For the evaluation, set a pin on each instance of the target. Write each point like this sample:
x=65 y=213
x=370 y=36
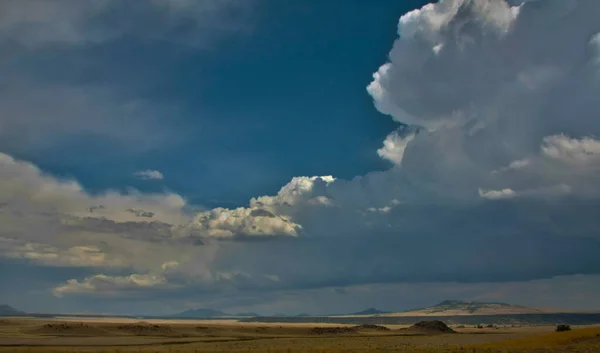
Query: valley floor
x=20 y=335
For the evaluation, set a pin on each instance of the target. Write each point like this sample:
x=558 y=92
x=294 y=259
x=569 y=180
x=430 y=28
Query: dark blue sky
x=244 y=107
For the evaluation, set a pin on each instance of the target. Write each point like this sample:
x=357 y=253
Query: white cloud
x=497 y=194
x=584 y=151
x=54 y=222
x=394 y=146
x=298 y=190
x=102 y=284
x=226 y=223
x=75 y=256
x=25 y=188
x=149 y=175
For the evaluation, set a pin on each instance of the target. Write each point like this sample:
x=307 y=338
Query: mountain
x=370 y=311
x=458 y=308
x=7 y=310
x=201 y=313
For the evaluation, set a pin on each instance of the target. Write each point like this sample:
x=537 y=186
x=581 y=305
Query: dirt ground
x=185 y=336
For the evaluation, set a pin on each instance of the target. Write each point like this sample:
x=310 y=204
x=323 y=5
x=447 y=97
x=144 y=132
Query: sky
x=298 y=156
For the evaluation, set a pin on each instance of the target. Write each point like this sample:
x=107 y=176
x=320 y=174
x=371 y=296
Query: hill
x=370 y=311
x=458 y=307
x=7 y=310
x=201 y=314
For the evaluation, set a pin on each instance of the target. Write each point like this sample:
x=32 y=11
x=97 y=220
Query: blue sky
x=305 y=156
x=267 y=84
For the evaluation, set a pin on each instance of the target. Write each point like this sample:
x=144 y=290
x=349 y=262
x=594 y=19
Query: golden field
x=20 y=335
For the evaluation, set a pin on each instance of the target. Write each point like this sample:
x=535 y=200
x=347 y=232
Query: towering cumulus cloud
x=494 y=177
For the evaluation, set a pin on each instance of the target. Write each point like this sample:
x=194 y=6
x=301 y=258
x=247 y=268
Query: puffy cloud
x=583 y=152
x=416 y=87
x=76 y=256
x=52 y=222
x=394 y=146
x=149 y=175
x=298 y=190
x=103 y=284
x=493 y=81
x=26 y=188
x=226 y=223
x=497 y=194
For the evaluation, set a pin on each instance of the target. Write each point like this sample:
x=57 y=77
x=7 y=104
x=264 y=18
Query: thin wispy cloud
x=149 y=175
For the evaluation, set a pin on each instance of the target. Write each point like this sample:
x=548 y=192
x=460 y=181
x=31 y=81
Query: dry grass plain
x=18 y=335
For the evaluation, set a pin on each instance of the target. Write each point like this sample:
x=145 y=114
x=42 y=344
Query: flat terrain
x=183 y=336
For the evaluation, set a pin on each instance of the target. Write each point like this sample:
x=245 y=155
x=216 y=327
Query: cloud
x=76 y=256
x=52 y=222
x=394 y=147
x=571 y=151
x=149 y=175
x=226 y=223
x=497 y=194
x=108 y=285
x=41 y=23
x=27 y=189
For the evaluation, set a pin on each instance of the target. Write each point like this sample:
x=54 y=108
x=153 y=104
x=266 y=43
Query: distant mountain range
x=458 y=307
x=370 y=311
x=210 y=313
x=7 y=310
x=445 y=308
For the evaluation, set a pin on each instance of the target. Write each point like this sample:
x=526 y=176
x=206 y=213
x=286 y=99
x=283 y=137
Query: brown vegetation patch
x=430 y=327
x=69 y=329
x=332 y=330
x=144 y=328
x=372 y=327
x=346 y=329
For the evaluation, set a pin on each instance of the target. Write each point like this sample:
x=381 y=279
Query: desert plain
x=108 y=335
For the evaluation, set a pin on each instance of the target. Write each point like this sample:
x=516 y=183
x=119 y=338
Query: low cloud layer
x=493 y=179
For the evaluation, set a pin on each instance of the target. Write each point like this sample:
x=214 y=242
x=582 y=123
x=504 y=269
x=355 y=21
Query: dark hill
x=370 y=311
x=7 y=310
x=433 y=326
